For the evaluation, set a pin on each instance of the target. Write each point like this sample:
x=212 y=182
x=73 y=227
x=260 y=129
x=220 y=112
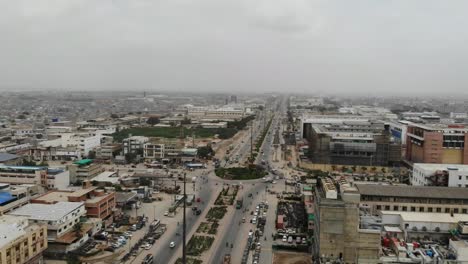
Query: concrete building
x=21 y=241
x=398 y=131
x=413 y=198
x=23 y=174
x=107 y=152
x=351 y=142
x=13 y=197
x=429 y=174
x=339 y=230
x=163 y=149
x=134 y=144
x=437 y=143
x=59 y=217
x=98 y=203
x=84 y=170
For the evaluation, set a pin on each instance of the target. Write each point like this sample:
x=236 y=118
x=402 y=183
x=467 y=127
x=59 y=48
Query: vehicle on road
x=285 y=239
x=166 y=213
x=148 y=246
x=290 y=239
x=172 y=244
x=148 y=259
x=239 y=203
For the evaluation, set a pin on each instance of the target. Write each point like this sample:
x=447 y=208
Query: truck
x=239 y=203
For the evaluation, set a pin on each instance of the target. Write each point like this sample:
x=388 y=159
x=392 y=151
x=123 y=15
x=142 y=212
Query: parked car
x=304 y=240
x=166 y=213
x=148 y=246
x=298 y=240
x=172 y=244
x=285 y=238
x=290 y=239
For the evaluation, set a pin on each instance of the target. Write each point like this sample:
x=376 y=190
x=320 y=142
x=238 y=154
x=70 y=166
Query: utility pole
x=184 y=259
x=251 y=141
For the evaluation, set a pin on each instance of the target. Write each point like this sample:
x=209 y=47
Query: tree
x=118 y=188
x=26 y=162
x=114 y=116
x=424 y=228
x=333 y=167
x=44 y=164
x=153 y=120
x=130 y=157
x=384 y=170
x=205 y=152
x=21 y=116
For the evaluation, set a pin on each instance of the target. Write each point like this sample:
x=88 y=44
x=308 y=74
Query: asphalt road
x=163 y=254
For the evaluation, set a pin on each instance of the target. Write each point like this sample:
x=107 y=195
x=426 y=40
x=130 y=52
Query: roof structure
x=413 y=191
x=47 y=212
x=7 y=156
x=5 y=197
x=83 y=162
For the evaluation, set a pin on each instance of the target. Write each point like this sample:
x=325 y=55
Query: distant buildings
x=134 y=144
x=163 y=149
x=441 y=144
x=21 y=241
x=9 y=159
x=84 y=170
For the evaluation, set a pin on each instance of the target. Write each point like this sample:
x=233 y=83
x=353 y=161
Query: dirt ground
x=281 y=257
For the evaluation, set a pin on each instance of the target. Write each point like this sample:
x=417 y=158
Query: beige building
x=21 y=242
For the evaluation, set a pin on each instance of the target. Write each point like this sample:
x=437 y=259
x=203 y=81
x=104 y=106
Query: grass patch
x=241 y=173
x=227 y=195
x=199 y=244
x=214 y=228
x=189 y=261
x=216 y=213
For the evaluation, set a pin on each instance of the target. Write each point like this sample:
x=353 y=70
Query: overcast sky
x=377 y=46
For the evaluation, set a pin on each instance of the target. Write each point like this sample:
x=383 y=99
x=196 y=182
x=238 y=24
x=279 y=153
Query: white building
x=134 y=143
x=398 y=130
x=429 y=174
x=59 y=217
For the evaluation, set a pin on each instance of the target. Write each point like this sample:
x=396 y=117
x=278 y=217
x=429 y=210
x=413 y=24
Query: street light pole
x=184 y=260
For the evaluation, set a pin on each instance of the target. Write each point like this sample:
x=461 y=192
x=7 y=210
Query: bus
x=148 y=259
x=155 y=224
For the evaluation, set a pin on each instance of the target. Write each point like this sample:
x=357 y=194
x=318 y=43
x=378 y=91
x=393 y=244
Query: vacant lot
x=291 y=258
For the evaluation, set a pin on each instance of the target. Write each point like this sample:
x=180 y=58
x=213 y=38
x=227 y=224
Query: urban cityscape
x=233 y=132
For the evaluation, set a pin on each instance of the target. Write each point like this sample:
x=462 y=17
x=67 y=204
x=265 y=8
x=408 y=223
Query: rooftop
x=5 y=197
x=7 y=156
x=107 y=176
x=47 y=212
x=11 y=227
x=413 y=191
x=428 y=217
x=83 y=162
x=33 y=168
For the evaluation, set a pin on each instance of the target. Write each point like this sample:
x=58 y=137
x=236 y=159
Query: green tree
x=152 y=120
x=26 y=162
x=186 y=121
x=21 y=116
x=77 y=228
x=114 y=116
x=205 y=152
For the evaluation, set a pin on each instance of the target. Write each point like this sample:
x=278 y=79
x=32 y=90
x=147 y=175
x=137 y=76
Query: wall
x=452 y=156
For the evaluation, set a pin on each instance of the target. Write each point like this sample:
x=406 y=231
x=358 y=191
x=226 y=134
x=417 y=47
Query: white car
x=285 y=239
x=172 y=244
x=148 y=246
x=166 y=213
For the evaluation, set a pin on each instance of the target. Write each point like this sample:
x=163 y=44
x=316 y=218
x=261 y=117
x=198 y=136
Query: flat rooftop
x=430 y=192
x=32 y=168
x=428 y=217
x=47 y=212
x=12 y=227
x=435 y=166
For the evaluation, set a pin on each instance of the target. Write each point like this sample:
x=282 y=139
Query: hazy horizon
x=297 y=46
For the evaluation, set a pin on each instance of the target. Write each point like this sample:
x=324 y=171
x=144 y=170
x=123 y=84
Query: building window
x=464 y=211
x=421 y=209
x=404 y=208
x=438 y=209
x=413 y=209
x=395 y=208
x=447 y=210
x=387 y=207
x=379 y=207
x=429 y=209
x=455 y=211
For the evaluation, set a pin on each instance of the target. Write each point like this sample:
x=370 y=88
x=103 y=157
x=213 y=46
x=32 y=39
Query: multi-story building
x=437 y=143
x=107 y=152
x=351 y=142
x=339 y=229
x=13 y=197
x=134 y=144
x=59 y=217
x=161 y=148
x=83 y=170
x=9 y=159
x=22 y=174
x=49 y=178
x=98 y=203
x=430 y=174
x=413 y=198
x=21 y=241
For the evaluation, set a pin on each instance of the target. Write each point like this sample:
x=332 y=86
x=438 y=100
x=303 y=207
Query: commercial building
x=47 y=177
x=84 y=170
x=21 y=241
x=160 y=149
x=107 y=152
x=350 y=142
x=59 y=217
x=436 y=143
x=13 y=197
x=429 y=174
x=134 y=144
x=413 y=198
x=98 y=203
